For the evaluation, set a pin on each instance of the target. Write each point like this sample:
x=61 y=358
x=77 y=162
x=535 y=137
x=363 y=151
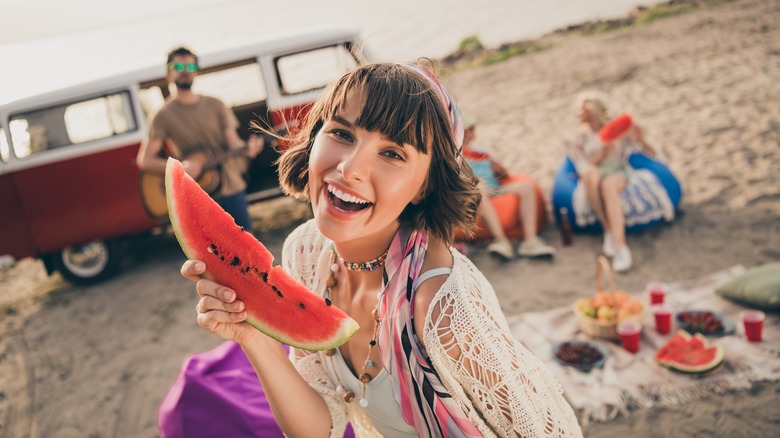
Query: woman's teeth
x=345 y=201
x=345 y=196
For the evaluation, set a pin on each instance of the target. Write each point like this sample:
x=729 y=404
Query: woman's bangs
x=386 y=109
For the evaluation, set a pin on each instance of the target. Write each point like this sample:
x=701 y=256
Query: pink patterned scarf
x=425 y=402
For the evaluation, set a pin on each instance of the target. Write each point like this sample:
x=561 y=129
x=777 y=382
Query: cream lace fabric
x=501 y=386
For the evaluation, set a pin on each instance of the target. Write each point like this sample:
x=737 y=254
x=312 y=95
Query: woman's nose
x=356 y=163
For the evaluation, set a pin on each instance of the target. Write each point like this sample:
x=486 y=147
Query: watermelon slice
x=276 y=304
x=689 y=354
x=615 y=128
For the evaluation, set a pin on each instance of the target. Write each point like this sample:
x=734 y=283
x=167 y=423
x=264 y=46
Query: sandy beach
x=96 y=361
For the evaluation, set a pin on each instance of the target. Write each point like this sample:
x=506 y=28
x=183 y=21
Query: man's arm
x=254 y=145
x=148 y=157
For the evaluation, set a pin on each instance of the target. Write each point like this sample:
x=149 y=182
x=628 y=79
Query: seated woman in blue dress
x=610 y=191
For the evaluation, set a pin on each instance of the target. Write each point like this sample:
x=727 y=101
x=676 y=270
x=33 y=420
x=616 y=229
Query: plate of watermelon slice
x=705 y=322
x=690 y=354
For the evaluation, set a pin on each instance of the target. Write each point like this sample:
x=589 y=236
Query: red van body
x=69 y=185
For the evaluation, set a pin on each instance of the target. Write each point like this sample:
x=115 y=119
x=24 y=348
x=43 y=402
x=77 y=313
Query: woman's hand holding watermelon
x=218 y=310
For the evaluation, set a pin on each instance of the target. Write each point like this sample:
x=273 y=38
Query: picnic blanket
x=628 y=381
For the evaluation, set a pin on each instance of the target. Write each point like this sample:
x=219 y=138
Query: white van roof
x=246 y=48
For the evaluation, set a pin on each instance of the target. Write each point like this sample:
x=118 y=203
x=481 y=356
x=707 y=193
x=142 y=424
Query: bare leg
x=527 y=206
x=533 y=245
x=611 y=188
x=488 y=213
x=591 y=178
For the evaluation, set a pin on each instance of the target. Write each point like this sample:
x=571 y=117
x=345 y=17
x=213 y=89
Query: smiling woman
x=379 y=159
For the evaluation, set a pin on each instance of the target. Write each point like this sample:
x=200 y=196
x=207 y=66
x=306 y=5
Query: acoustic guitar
x=151 y=185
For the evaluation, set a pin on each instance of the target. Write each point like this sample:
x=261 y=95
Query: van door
x=15 y=238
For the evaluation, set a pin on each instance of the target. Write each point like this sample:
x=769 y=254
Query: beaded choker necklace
x=331 y=283
x=369 y=265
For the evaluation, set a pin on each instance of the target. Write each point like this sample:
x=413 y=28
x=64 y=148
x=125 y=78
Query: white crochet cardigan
x=506 y=390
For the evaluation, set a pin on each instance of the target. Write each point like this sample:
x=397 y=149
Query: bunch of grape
x=578 y=353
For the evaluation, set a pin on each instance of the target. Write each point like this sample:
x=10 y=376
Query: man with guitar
x=201 y=131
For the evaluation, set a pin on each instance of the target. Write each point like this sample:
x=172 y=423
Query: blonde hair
x=594 y=103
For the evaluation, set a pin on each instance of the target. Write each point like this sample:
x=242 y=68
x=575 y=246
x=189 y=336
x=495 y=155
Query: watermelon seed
x=278 y=292
x=302 y=306
x=328 y=302
x=222 y=258
x=211 y=251
x=265 y=276
x=235 y=261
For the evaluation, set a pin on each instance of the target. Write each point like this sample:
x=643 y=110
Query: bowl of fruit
x=599 y=315
x=580 y=354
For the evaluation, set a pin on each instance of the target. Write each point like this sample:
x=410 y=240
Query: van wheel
x=90 y=262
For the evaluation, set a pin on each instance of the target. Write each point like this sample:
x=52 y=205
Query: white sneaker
x=502 y=248
x=609 y=245
x=622 y=261
x=535 y=247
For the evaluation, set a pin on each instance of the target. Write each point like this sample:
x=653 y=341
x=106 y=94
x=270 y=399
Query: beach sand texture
x=96 y=361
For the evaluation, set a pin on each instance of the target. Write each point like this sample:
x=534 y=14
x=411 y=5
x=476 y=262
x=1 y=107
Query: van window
x=5 y=151
x=313 y=69
x=234 y=86
x=71 y=123
x=152 y=100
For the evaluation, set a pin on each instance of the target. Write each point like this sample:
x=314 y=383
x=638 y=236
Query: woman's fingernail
x=229 y=295
x=199 y=266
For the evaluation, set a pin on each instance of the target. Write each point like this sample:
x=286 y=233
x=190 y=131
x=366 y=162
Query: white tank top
x=382 y=409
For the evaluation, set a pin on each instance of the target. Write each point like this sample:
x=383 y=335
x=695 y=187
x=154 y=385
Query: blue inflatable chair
x=651 y=197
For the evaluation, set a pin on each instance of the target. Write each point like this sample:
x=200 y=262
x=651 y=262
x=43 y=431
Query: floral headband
x=456 y=117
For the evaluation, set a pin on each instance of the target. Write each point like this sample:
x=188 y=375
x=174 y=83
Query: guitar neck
x=213 y=164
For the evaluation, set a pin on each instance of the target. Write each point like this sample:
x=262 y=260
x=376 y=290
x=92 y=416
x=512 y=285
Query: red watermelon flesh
x=615 y=128
x=689 y=354
x=276 y=304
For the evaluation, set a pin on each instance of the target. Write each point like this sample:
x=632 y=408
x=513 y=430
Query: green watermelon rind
x=688 y=369
x=345 y=331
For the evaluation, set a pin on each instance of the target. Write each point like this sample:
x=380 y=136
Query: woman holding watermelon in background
x=604 y=171
x=379 y=158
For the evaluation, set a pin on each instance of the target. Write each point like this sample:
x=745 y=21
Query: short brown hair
x=401 y=105
x=181 y=51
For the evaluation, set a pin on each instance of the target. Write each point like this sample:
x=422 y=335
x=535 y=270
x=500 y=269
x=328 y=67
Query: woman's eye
x=393 y=155
x=341 y=134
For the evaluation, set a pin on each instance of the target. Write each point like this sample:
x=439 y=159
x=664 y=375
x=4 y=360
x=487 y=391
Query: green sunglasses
x=180 y=67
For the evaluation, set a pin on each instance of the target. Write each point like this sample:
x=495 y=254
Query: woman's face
x=582 y=114
x=360 y=181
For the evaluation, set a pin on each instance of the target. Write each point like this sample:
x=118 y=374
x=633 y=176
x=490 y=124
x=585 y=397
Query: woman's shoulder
x=304 y=239
x=465 y=283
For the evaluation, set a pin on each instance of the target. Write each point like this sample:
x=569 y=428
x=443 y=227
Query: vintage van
x=70 y=191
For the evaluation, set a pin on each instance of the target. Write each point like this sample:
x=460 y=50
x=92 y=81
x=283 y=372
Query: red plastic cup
x=657 y=293
x=629 y=335
x=754 y=324
x=663 y=319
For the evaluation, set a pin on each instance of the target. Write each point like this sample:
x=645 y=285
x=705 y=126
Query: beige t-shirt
x=201 y=125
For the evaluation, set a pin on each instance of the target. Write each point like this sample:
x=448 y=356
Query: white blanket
x=630 y=381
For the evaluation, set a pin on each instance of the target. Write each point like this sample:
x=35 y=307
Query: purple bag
x=217 y=394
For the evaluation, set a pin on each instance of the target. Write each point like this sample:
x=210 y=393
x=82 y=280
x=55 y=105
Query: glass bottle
x=565 y=227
